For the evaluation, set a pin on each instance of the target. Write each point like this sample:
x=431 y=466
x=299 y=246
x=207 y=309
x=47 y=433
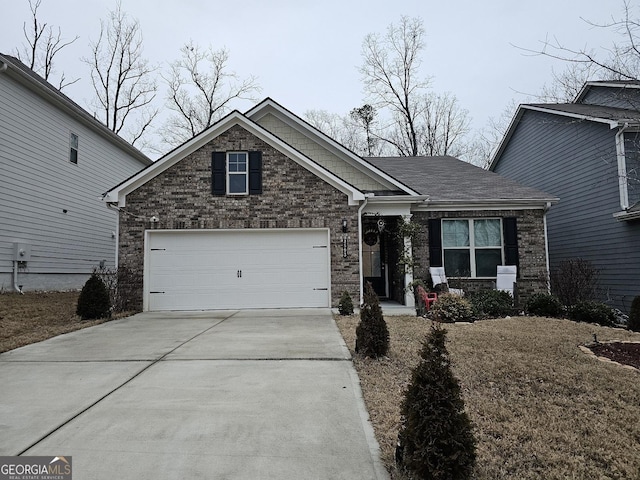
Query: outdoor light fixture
x=344 y=225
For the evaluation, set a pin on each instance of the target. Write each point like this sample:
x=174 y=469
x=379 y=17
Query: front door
x=373 y=261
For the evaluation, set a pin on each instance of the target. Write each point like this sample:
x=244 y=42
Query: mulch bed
x=622 y=352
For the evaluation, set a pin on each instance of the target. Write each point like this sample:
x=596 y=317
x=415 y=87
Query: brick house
x=262 y=210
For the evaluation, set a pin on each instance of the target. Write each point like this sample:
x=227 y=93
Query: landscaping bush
x=372 y=335
x=574 y=280
x=633 y=323
x=451 y=308
x=345 y=306
x=94 y=301
x=491 y=303
x=592 y=312
x=436 y=438
x=544 y=305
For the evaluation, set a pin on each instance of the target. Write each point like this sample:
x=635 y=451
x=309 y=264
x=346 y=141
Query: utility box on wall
x=21 y=252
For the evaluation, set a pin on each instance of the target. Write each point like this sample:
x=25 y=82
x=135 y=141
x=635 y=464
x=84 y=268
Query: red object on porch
x=427 y=298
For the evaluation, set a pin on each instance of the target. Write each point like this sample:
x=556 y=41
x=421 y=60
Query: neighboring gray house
x=262 y=210
x=56 y=161
x=587 y=154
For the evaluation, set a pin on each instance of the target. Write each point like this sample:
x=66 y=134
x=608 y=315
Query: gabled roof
x=447 y=180
x=614 y=117
x=28 y=78
x=605 y=83
x=270 y=106
x=118 y=194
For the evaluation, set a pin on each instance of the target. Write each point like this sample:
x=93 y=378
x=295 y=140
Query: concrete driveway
x=260 y=394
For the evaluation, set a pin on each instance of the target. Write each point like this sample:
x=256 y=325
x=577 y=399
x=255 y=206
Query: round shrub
x=451 y=308
x=372 y=335
x=491 y=303
x=94 y=301
x=436 y=439
x=633 y=323
x=544 y=305
x=592 y=312
x=345 y=307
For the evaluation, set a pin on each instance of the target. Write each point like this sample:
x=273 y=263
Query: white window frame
x=472 y=247
x=74 y=146
x=245 y=173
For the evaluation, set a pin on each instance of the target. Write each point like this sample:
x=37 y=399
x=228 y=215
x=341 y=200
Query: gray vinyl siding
x=613 y=97
x=38 y=182
x=576 y=161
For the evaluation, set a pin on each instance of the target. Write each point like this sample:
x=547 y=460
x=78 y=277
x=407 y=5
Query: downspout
x=110 y=206
x=622 y=167
x=360 y=210
x=546 y=244
x=16 y=287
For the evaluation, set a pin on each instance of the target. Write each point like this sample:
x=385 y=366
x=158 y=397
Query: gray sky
x=306 y=54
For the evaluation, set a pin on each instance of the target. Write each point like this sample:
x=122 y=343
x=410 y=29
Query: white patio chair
x=506 y=278
x=438 y=277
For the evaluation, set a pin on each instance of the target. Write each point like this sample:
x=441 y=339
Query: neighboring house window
x=472 y=247
x=73 y=148
x=236 y=173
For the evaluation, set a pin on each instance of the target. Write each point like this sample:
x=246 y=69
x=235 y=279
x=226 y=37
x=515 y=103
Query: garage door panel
x=199 y=270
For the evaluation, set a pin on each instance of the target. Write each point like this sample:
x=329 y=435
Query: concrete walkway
x=262 y=394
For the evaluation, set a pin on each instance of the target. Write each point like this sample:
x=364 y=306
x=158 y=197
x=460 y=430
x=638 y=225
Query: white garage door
x=235 y=269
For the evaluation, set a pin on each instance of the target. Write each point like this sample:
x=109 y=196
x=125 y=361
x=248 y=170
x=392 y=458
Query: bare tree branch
x=121 y=77
x=43 y=45
x=200 y=91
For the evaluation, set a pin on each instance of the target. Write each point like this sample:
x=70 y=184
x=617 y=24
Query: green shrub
x=633 y=323
x=491 y=303
x=372 y=335
x=436 y=437
x=345 y=307
x=94 y=301
x=451 y=308
x=544 y=305
x=592 y=312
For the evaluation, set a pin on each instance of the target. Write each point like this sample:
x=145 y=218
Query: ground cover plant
x=541 y=408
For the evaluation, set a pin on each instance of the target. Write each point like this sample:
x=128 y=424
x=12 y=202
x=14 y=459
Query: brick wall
x=292 y=197
x=532 y=275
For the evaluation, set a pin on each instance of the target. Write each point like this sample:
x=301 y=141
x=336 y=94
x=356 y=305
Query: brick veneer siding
x=532 y=275
x=292 y=197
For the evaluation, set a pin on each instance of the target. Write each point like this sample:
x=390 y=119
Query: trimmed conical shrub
x=633 y=323
x=372 y=335
x=345 y=306
x=94 y=300
x=436 y=438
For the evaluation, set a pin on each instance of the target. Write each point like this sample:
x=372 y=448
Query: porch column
x=409 y=299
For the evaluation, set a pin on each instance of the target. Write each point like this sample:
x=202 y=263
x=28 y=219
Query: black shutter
x=435 y=243
x=219 y=173
x=255 y=173
x=510 y=232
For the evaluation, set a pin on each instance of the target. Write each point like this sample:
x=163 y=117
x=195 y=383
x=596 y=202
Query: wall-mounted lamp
x=344 y=225
x=154 y=219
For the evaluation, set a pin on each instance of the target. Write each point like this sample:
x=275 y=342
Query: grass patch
x=36 y=316
x=541 y=408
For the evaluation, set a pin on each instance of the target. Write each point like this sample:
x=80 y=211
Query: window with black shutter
x=236 y=173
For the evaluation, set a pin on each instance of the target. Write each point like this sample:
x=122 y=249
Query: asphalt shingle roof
x=446 y=178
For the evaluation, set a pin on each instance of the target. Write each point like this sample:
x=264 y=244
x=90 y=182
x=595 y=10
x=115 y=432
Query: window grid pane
x=487 y=233
x=455 y=233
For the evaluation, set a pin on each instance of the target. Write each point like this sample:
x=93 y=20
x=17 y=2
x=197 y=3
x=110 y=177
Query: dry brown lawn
x=542 y=409
x=36 y=316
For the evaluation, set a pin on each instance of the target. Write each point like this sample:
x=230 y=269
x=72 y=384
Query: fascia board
x=274 y=108
x=489 y=204
x=119 y=193
x=611 y=123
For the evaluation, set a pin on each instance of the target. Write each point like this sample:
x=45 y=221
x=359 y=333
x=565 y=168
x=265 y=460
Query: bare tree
x=121 y=77
x=390 y=72
x=200 y=91
x=342 y=129
x=444 y=125
x=43 y=44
